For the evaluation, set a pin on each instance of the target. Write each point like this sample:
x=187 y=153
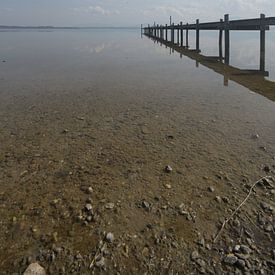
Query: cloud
x=97 y=10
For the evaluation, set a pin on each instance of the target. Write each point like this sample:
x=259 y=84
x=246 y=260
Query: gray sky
x=125 y=12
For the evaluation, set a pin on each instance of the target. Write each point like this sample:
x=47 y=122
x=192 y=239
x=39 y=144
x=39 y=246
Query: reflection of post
x=226 y=38
x=262 y=44
x=220 y=41
x=225 y=80
x=166 y=33
x=187 y=37
x=197 y=63
x=181 y=35
x=197 y=36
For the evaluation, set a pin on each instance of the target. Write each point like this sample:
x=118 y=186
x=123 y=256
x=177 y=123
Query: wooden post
x=226 y=38
x=173 y=34
x=187 y=36
x=262 y=43
x=166 y=33
x=220 y=40
x=197 y=36
x=181 y=34
x=178 y=35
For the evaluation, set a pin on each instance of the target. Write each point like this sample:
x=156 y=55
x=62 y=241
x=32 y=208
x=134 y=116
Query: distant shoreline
x=59 y=28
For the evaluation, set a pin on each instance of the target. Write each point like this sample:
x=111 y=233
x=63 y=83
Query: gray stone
x=211 y=189
x=195 y=255
x=230 y=259
x=110 y=237
x=240 y=264
x=168 y=169
x=110 y=205
x=100 y=263
x=88 y=207
x=245 y=249
x=35 y=269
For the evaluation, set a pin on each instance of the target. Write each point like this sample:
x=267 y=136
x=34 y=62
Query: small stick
x=236 y=210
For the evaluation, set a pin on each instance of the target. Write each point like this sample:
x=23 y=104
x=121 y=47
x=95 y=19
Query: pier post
x=181 y=34
x=173 y=34
x=197 y=36
x=166 y=33
x=178 y=35
x=187 y=36
x=220 y=40
x=262 y=43
x=226 y=38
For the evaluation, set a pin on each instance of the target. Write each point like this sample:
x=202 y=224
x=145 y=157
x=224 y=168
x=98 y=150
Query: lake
x=93 y=118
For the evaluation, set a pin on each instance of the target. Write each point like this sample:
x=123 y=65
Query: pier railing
x=225 y=25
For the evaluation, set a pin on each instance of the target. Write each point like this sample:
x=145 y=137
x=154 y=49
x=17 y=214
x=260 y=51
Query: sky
x=123 y=13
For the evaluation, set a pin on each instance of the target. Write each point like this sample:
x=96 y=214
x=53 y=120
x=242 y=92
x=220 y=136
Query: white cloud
x=98 y=10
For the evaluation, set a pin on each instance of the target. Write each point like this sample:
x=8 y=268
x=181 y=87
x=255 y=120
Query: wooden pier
x=224 y=26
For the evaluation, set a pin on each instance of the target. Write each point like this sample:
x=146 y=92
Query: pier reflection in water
x=252 y=79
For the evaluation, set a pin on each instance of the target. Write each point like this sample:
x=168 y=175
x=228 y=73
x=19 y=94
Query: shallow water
x=110 y=109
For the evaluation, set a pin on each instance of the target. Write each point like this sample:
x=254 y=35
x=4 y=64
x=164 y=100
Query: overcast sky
x=125 y=12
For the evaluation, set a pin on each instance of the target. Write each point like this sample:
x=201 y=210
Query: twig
x=236 y=210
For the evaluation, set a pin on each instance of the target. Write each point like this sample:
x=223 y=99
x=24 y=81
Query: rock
x=245 y=249
x=35 y=269
x=168 y=169
x=268 y=228
x=267 y=169
x=237 y=248
x=266 y=206
x=145 y=205
x=225 y=199
x=230 y=259
x=266 y=182
x=90 y=190
x=110 y=205
x=201 y=242
x=240 y=264
x=168 y=186
x=211 y=189
x=100 y=263
x=110 y=237
x=195 y=255
x=218 y=199
x=88 y=207
x=255 y=136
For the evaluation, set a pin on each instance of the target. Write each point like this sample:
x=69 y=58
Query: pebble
x=195 y=255
x=211 y=189
x=88 y=207
x=240 y=264
x=255 y=136
x=100 y=263
x=110 y=237
x=230 y=259
x=218 y=199
x=145 y=205
x=245 y=249
x=35 y=269
x=110 y=205
x=90 y=190
x=168 y=186
x=225 y=199
x=268 y=228
x=168 y=169
x=266 y=206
